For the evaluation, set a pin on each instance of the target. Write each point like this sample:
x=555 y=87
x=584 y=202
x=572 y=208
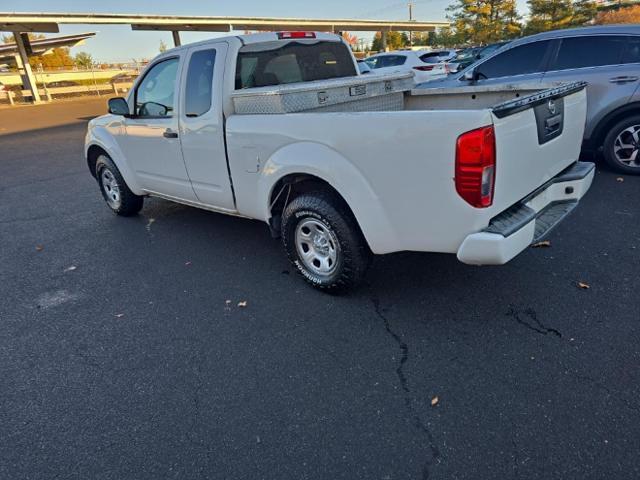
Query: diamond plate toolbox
x=339 y=94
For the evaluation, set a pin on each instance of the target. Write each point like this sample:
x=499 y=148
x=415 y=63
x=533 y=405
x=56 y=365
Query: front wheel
x=622 y=146
x=324 y=242
x=120 y=199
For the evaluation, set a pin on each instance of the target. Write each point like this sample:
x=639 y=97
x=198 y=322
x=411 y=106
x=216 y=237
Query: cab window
x=275 y=63
x=199 y=87
x=154 y=97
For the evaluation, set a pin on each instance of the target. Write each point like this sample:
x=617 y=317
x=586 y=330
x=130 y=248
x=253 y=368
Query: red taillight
x=426 y=68
x=476 y=166
x=290 y=35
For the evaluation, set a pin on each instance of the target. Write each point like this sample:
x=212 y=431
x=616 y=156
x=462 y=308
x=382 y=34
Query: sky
x=120 y=43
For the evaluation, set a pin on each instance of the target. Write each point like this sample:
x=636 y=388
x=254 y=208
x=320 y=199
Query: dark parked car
x=473 y=54
x=607 y=58
x=62 y=83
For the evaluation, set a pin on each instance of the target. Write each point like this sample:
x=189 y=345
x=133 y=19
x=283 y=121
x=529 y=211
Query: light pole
x=411 y=20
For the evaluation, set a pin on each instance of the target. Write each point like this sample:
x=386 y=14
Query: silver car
x=606 y=57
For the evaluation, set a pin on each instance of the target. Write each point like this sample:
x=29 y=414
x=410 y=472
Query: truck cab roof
x=255 y=38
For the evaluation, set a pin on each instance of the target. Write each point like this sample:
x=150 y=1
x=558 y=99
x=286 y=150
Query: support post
x=411 y=20
x=28 y=79
x=383 y=35
x=176 y=38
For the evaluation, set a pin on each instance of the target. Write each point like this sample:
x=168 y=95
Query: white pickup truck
x=280 y=127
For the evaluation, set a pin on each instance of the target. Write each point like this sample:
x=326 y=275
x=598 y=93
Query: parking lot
x=127 y=351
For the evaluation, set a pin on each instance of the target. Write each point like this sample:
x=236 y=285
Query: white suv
x=408 y=61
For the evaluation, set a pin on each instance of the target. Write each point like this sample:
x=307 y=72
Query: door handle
x=168 y=133
x=623 y=79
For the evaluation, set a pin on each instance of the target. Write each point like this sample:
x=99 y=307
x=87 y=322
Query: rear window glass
x=384 y=61
x=632 y=50
x=520 y=60
x=276 y=64
x=581 y=52
x=434 y=57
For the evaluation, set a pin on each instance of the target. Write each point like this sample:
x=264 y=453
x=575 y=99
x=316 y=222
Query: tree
x=351 y=39
x=624 y=15
x=395 y=41
x=445 y=37
x=549 y=15
x=584 y=11
x=84 y=60
x=484 y=21
x=163 y=46
x=54 y=58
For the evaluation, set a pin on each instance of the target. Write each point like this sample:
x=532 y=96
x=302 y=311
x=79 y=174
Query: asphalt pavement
x=126 y=353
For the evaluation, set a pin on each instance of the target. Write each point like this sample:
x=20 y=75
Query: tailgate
x=537 y=137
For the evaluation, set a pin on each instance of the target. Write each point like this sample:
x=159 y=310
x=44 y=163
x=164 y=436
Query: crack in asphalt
x=537 y=326
x=418 y=423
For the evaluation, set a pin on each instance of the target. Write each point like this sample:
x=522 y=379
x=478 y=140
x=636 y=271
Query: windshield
x=467 y=53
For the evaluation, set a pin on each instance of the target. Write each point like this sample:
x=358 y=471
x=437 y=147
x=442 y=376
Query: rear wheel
x=324 y=242
x=622 y=146
x=119 y=198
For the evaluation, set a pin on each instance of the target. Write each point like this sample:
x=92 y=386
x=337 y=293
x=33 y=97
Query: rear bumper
x=530 y=220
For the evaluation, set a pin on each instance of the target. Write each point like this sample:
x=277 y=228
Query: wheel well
x=289 y=187
x=605 y=125
x=92 y=157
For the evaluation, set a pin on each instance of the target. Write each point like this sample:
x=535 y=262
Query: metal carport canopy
x=22 y=23
x=49 y=22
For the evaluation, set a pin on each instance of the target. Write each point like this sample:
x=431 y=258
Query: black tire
x=610 y=146
x=108 y=176
x=326 y=211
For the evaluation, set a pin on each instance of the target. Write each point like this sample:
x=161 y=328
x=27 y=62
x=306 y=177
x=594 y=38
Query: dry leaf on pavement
x=584 y=286
x=544 y=244
x=39 y=248
x=434 y=401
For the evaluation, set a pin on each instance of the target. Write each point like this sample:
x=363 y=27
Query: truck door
x=150 y=141
x=202 y=126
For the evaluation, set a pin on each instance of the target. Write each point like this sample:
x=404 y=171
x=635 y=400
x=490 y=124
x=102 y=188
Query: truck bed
x=376 y=93
x=396 y=168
